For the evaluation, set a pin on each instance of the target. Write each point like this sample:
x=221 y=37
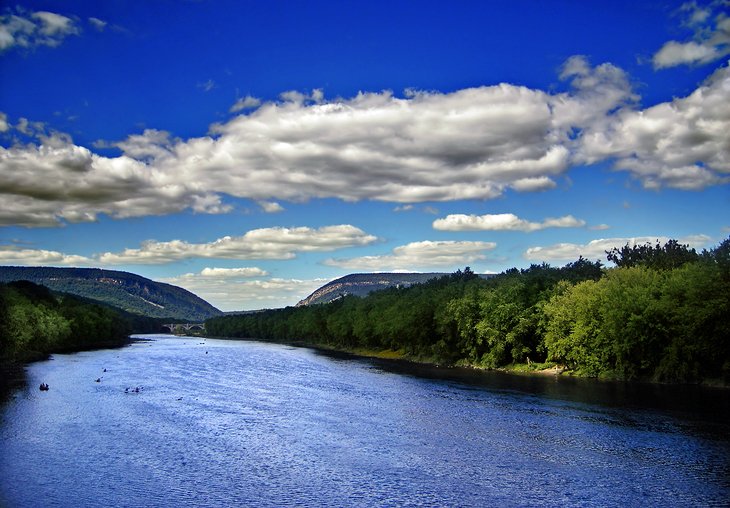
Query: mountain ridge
x=127 y=291
x=362 y=284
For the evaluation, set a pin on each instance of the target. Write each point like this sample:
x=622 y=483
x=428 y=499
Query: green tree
x=696 y=301
x=633 y=319
x=573 y=329
x=662 y=257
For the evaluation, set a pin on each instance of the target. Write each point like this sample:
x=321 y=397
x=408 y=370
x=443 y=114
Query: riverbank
x=536 y=369
x=531 y=369
x=547 y=369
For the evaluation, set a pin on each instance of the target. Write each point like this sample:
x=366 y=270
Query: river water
x=245 y=423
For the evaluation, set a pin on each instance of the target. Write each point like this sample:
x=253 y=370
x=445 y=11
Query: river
x=184 y=422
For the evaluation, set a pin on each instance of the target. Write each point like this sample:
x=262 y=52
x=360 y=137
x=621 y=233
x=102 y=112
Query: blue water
x=244 y=423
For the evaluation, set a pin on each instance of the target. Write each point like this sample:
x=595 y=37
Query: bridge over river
x=186 y=327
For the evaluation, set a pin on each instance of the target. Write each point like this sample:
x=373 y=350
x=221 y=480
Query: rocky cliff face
x=361 y=284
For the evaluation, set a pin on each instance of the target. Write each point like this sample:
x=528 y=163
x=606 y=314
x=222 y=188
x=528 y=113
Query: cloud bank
x=596 y=249
x=474 y=143
x=265 y=243
x=425 y=254
x=230 y=290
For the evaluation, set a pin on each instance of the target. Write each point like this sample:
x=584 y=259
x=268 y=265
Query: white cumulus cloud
x=502 y=222
x=20 y=28
x=682 y=144
x=271 y=206
x=249 y=271
x=12 y=255
x=57 y=181
x=244 y=103
x=710 y=40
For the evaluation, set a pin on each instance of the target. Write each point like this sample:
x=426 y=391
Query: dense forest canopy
x=660 y=314
x=34 y=322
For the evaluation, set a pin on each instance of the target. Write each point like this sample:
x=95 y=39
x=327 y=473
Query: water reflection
x=690 y=401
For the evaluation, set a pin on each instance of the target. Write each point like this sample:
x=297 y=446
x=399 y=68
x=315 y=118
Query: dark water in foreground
x=237 y=423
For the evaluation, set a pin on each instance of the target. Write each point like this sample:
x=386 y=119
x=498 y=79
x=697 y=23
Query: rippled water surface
x=243 y=423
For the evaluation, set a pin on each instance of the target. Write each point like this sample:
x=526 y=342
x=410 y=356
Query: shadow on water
x=689 y=402
x=12 y=377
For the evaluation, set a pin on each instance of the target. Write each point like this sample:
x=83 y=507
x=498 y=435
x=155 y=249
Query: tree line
x=659 y=314
x=34 y=322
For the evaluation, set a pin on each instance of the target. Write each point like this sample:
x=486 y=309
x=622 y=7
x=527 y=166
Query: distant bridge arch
x=184 y=326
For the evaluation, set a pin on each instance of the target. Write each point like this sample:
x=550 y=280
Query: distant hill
x=126 y=291
x=361 y=284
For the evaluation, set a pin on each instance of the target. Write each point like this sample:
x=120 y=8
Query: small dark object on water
x=43 y=387
x=98 y=380
x=206 y=352
x=104 y=370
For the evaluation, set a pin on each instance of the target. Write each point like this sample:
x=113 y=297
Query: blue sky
x=251 y=151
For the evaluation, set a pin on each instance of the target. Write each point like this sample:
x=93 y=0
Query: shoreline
x=522 y=369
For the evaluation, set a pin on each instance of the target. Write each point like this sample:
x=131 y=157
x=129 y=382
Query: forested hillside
x=35 y=322
x=660 y=314
x=122 y=290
